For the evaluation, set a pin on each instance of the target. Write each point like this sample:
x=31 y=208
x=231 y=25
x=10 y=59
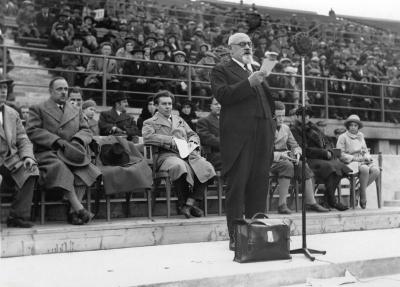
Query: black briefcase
x=261 y=239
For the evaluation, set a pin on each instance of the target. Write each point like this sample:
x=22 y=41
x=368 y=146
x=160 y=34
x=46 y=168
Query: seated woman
x=326 y=167
x=356 y=154
x=285 y=161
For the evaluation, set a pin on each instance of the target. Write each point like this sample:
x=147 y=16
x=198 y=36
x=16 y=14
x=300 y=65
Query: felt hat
x=114 y=154
x=353 y=119
x=117 y=97
x=88 y=17
x=88 y=103
x=5 y=79
x=307 y=110
x=179 y=52
x=285 y=60
x=74 y=154
x=159 y=50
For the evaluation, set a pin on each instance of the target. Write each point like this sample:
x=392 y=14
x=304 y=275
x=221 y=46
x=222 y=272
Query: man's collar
x=165 y=117
x=249 y=67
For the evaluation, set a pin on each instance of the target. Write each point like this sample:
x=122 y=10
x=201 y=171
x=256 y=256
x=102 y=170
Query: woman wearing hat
x=355 y=153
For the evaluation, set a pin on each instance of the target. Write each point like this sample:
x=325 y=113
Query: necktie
x=247 y=69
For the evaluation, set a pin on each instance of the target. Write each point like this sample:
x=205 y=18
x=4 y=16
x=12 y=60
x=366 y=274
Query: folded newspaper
x=184 y=147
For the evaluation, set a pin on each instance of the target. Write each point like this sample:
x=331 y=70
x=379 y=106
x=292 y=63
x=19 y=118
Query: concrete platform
x=364 y=253
x=101 y=235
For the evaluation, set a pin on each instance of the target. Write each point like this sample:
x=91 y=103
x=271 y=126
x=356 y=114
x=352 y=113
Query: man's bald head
x=237 y=38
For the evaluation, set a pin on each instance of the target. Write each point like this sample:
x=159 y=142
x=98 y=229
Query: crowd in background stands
x=342 y=50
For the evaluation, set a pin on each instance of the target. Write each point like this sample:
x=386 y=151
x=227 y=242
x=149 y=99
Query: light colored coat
x=19 y=147
x=159 y=131
x=96 y=65
x=283 y=140
x=46 y=124
x=352 y=146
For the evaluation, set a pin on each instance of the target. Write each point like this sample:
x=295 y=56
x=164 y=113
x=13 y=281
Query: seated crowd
x=351 y=52
x=53 y=151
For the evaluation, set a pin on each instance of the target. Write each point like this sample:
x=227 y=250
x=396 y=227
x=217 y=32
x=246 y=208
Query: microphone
x=302 y=43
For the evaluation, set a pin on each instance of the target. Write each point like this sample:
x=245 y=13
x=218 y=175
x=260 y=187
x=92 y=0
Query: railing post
x=382 y=104
x=5 y=60
x=190 y=82
x=104 y=82
x=326 y=98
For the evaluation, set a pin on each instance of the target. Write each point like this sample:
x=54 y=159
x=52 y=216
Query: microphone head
x=302 y=43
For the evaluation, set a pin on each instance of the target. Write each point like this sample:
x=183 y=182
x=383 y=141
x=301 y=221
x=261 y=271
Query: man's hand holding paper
x=184 y=147
x=267 y=66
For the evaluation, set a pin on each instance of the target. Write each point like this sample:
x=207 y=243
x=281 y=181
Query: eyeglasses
x=243 y=44
x=76 y=100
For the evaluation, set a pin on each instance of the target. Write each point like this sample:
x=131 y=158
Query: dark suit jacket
x=208 y=131
x=72 y=61
x=241 y=105
x=110 y=119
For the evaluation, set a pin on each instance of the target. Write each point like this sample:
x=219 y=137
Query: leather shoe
x=283 y=209
x=185 y=210
x=18 y=222
x=339 y=206
x=195 y=211
x=232 y=245
x=74 y=219
x=316 y=207
x=85 y=215
x=363 y=204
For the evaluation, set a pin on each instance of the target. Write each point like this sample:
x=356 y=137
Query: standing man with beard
x=247 y=131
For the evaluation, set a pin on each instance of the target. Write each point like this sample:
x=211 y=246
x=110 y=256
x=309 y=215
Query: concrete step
x=136 y=232
x=364 y=253
x=391 y=203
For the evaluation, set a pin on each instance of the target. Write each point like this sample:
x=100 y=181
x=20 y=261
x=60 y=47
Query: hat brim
x=61 y=156
x=109 y=158
x=347 y=122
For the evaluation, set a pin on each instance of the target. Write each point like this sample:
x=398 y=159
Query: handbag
x=261 y=239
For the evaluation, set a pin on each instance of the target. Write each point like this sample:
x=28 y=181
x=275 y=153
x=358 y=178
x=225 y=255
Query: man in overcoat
x=17 y=162
x=247 y=131
x=320 y=157
x=117 y=121
x=190 y=174
x=52 y=126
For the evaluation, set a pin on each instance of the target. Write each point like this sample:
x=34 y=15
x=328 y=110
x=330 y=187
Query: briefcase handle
x=259 y=215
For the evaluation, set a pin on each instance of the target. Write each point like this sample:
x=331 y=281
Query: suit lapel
x=53 y=110
x=161 y=120
x=176 y=122
x=2 y=133
x=69 y=113
x=9 y=123
x=236 y=69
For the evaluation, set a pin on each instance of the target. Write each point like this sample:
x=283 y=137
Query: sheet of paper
x=184 y=147
x=267 y=66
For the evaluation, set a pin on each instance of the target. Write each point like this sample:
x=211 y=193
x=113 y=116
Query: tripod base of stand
x=307 y=252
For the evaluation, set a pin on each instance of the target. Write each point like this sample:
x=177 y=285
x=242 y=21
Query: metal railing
x=381 y=100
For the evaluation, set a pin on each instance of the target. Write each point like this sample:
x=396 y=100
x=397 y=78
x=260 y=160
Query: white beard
x=247 y=59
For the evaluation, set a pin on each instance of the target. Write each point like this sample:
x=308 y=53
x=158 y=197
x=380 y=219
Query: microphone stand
x=304 y=250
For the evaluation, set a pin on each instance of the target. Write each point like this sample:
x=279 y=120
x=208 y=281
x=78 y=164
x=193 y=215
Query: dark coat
x=46 y=124
x=208 y=131
x=317 y=147
x=110 y=119
x=70 y=61
x=163 y=71
x=241 y=106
